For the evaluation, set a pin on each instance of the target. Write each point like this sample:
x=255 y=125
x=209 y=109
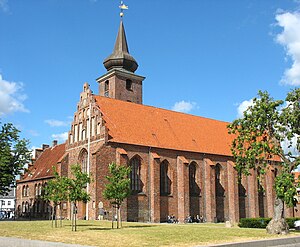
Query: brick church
x=180 y=164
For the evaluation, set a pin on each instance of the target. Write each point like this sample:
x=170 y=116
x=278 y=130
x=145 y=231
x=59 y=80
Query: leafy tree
x=77 y=190
x=14 y=154
x=259 y=137
x=118 y=187
x=56 y=191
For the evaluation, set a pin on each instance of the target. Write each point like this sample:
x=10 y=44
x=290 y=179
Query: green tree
x=117 y=188
x=260 y=136
x=77 y=190
x=56 y=192
x=14 y=154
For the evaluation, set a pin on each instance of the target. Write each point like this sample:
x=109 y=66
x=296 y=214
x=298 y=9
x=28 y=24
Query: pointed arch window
x=23 y=207
x=36 y=192
x=27 y=190
x=83 y=160
x=26 y=207
x=218 y=172
x=218 y=183
x=135 y=173
x=165 y=182
x=194 y=188
x=23 y=190
x=39 y=189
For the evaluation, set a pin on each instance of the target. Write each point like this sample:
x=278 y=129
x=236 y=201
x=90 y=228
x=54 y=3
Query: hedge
x=262 y=222
x=254 y=222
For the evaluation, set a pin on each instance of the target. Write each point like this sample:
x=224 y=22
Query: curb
x=288 y=242
x=19 y=242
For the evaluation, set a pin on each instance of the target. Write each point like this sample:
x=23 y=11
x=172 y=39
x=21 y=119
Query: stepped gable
x=155 y=127
x=42 y=167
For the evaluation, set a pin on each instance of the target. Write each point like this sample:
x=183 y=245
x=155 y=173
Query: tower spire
x=120 y=57
x=120 y=82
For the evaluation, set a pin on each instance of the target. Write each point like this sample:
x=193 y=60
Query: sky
x=204 y=57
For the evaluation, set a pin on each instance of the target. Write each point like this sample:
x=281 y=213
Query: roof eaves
x=167 y=148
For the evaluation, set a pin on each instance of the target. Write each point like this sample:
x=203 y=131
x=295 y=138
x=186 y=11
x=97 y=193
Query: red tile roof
x=42 y=167
x=150 y=126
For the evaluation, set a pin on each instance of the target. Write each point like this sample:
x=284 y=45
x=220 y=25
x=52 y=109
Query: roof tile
x=150 y=126
x=42 y=167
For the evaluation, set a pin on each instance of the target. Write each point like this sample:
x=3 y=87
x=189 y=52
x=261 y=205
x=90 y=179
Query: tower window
x=106 y=88
x=129 y=84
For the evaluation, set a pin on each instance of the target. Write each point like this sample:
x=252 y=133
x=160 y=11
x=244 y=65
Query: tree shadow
x=146 y=226
x=85 y=225
x=109 y=228
x=100 y=228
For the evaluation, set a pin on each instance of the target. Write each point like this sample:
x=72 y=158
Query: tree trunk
x=60 y=212
x=112 y=218
x=278 y=224
x=72 y=215
x=75 y=216
x=117 y=213
x=71 y=210
x=120 y=216
x=55 y=219
x=52 y=215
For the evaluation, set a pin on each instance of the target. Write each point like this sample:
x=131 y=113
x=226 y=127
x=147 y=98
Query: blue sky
x=207 y=58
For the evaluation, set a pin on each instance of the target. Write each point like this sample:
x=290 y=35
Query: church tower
x=120 y=81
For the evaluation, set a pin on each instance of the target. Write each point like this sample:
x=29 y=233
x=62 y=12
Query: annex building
x=180 y=164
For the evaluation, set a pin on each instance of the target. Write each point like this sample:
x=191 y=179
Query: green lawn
x=99 y=233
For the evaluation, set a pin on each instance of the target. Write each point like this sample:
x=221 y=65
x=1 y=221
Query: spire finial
x=122 y=7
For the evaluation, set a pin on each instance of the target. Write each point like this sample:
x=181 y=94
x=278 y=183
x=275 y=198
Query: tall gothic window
x=27 y=190
x=24 y=190
x=26 y=207
x=164 y=179
x=219 y=188
x=40 y=189
x=135 y=175
x=275 y=172
x=194 y=188
x=83 y=160
x=23 y=207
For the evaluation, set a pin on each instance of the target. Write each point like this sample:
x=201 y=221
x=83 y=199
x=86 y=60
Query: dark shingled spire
x=120 y=58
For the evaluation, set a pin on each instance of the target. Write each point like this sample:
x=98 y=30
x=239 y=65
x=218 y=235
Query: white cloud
x=243 y=107
x=11 y=98
x=60 y=137
x=56 y=123
x=184 y=106
x=33 y=133
x=4 y=5
x=289 y=38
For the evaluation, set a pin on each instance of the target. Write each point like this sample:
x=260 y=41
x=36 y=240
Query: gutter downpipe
x=149 y=184
x=88 y=160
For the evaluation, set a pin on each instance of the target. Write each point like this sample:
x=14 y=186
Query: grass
x=99 y=233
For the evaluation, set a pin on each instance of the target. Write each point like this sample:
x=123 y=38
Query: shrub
x=291 y=221
x=262 y=222
x=254 y=222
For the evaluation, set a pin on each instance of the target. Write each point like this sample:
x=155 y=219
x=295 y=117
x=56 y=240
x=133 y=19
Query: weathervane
x=122 y=7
